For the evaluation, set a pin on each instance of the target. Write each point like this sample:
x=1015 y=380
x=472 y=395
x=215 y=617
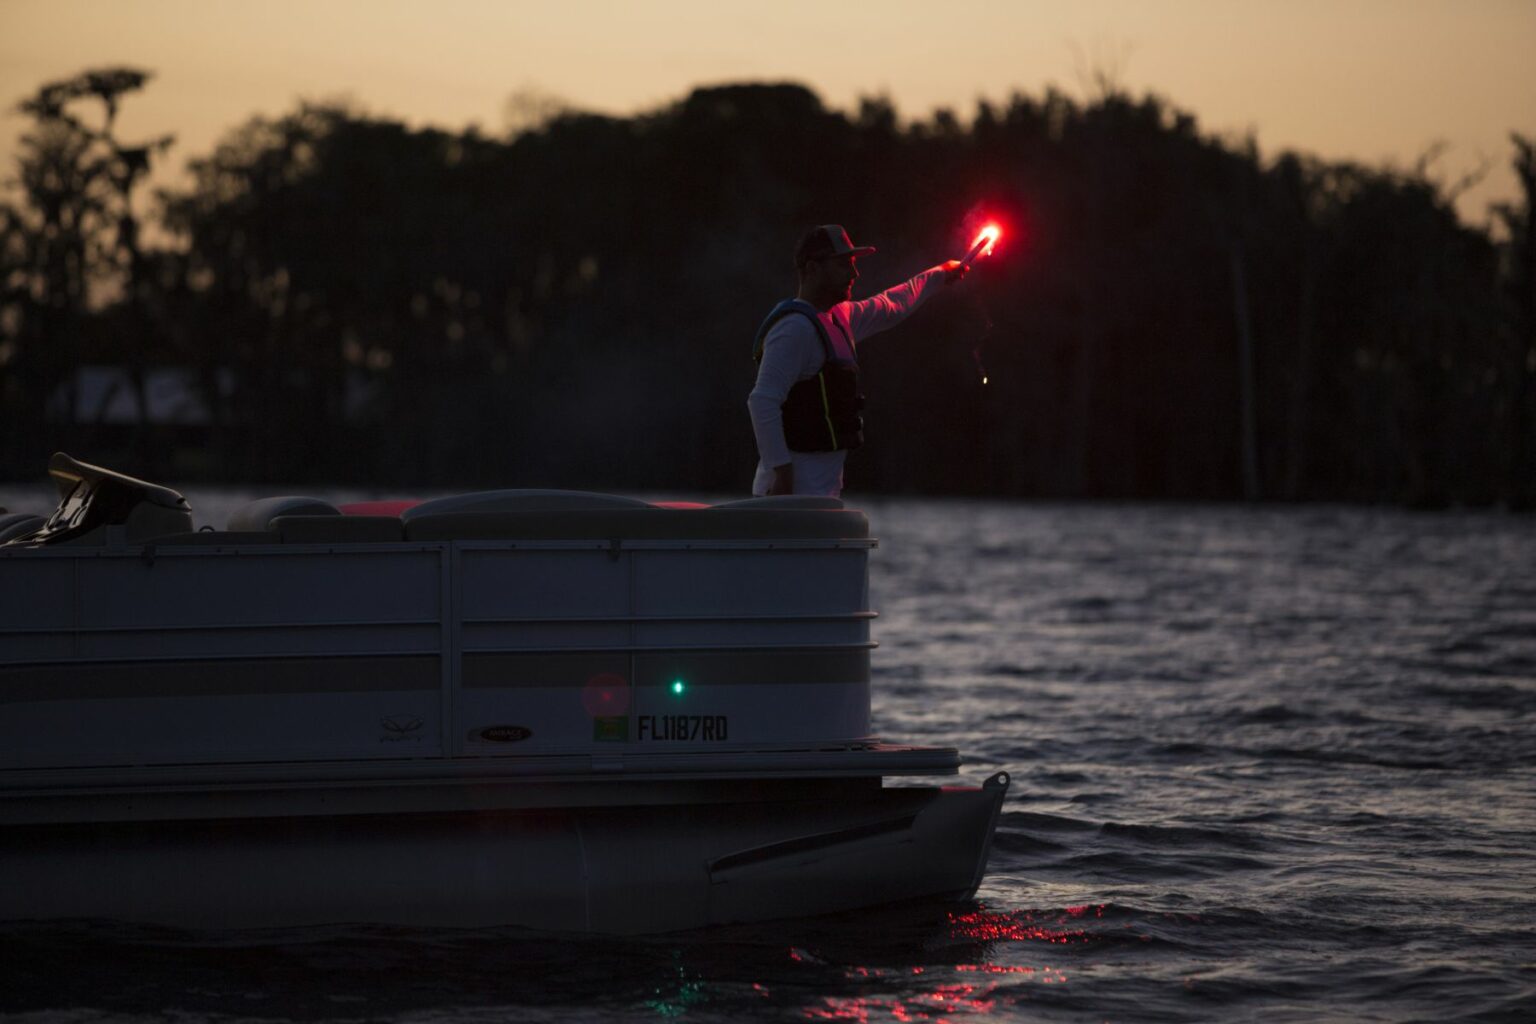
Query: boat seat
x=257 y=516
x=388 y=507
x=19 y=524
x=337 y=529
x=785 y=501
x=645 y=523
x=93 y=499
x=523 y=500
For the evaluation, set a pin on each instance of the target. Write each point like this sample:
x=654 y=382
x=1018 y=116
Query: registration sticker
x=610 y=728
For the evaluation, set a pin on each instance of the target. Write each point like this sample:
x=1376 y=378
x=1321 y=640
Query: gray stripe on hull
x=119 y=680
x=557 y=670
x=697 y=668
x=753 y=667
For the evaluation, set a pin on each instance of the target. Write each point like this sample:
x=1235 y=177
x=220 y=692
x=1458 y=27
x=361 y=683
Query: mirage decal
x=502 y=733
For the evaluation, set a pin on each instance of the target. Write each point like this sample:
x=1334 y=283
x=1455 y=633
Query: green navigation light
x=677 y=687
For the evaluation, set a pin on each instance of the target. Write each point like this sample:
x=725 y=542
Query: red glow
x=943 y=997
x=376 y=508
x=605 y=694
x=938 y=1004
x=983 y=244
x=1017 y=927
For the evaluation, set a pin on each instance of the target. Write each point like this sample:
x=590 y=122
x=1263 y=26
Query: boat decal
x=502 y=733
x=683 y=728
x=805 y=844
x=400 y=729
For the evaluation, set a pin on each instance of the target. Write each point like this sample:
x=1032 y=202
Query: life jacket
x=821 y=413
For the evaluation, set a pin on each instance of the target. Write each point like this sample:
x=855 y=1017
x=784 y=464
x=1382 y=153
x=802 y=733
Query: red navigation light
x=606 y=694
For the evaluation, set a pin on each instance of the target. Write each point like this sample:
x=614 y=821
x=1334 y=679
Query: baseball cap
x=827 y=240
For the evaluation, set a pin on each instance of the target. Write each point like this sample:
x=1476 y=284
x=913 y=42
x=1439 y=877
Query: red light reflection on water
x=934 y=1005
x=937 y=1004
x=958 y=990
x=1022 y=927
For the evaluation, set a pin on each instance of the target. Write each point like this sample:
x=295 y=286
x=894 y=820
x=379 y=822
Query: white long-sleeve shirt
x=792 y=352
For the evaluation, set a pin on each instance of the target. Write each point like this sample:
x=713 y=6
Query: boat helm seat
x=92 y=499
x=785 y=501
x=15 y=525
x=257 y=516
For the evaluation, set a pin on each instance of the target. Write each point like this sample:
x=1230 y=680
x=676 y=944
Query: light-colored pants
x=815 y=473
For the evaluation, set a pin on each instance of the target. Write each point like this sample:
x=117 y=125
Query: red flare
x=983 y=244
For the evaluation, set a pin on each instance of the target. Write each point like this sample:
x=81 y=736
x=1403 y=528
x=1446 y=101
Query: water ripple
x=1269 y=763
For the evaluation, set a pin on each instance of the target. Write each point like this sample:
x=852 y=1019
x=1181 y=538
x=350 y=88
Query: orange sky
x=1370 y=80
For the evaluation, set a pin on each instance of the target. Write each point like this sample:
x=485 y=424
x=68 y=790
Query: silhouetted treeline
x=1168 y=316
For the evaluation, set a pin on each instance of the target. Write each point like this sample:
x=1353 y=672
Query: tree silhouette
x=1519 y=366
x=1170 y=314
x=71 y=245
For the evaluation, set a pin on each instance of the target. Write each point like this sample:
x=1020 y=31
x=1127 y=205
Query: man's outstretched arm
x=896 y=303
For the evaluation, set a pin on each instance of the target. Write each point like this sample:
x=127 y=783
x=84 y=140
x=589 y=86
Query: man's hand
x=783 y=479
x=954 y=270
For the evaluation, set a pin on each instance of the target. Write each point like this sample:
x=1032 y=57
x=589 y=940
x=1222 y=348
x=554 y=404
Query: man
x=806 y=404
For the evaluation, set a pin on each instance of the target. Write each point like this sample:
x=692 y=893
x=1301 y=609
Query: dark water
x=1268 y=764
